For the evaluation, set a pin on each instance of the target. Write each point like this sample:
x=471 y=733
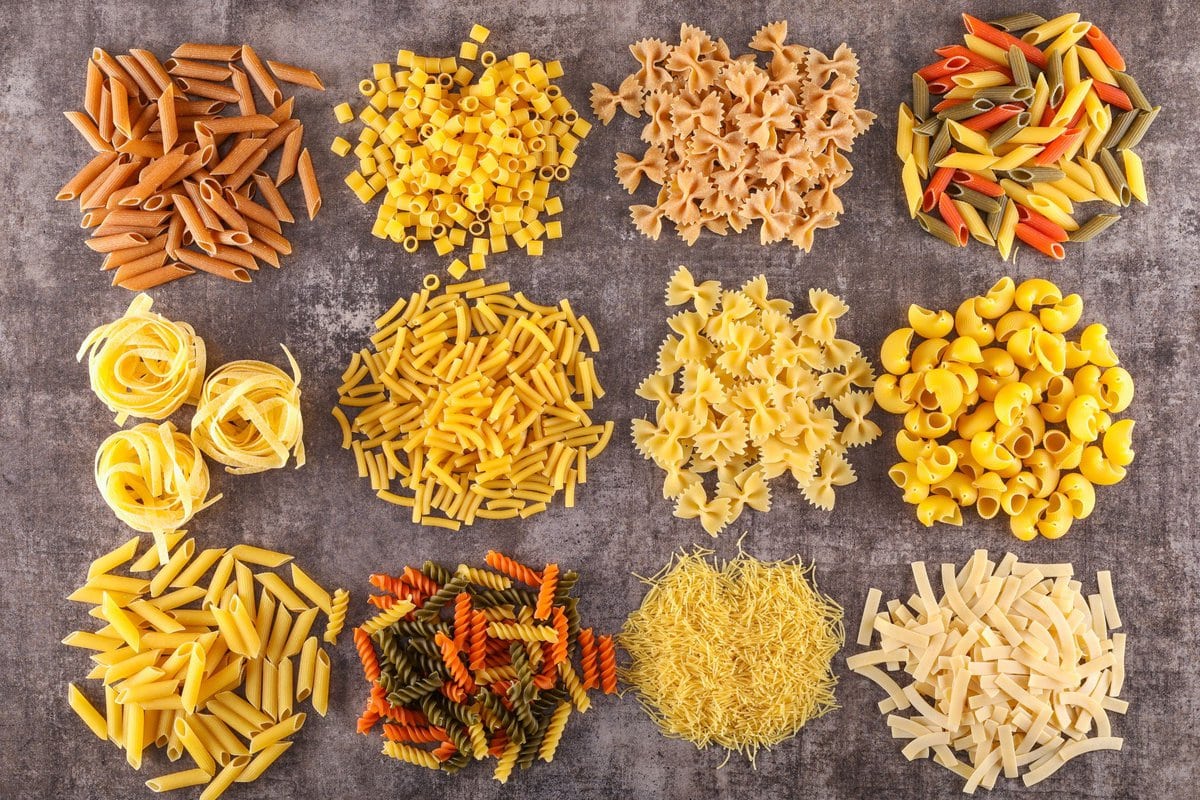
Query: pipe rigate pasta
x=748 y=392
x=460 y=155
x=736 y=653
x=195 y=663
x=143 y=364
x=476 y=689
x=248 y=417
x=474 y=404
x=732 y=142
x=1011 y=666
x=1004 y=157
x=1003 y=412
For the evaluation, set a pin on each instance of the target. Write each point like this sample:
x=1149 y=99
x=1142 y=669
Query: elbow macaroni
x=1003 y=412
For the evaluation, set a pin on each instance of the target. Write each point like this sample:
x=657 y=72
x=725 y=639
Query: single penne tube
x=1036 y=135
x=194 y=745
x=238 y=155
x=265 y=615
x=320 y=691
x=285 y=727
x=121 y=622
x=194 y=225
x=1015 y=157
x=1071 y=103
x=284 y=593
x=208 y=89
x=284 y=687
x=155 y=616
x=290 y=157
x=311 y=589
x=1049 y=29
x=90 y=130
x=247 y=634
x=1007 y=231
x=1095 y=65
x=904 y=132
x=93 y=91
x=306 y=671
x=114 y=558
x=1051 y=193
x=219 y=738
x=981 y=80
x=156 y=277
x=229 y=629
x=169 y=571
x=118 y=96
x=223 y=680
x=975 y=224
x=87 y=712
x=73 y=188
x=253 y=212
x=193 y=680
x=276 y=138
x=153 y=68
x=237 y=705
x=225 y=778
x=208 y=52
x=1072 y=189
x=1135 y=175
x=91 y=641
x=1050 y=210
x=118 y=583
x=289 y=73
x=187 y=68
x=1072 y=74
x=199 y=566
x=308 y=182
x=299 y=632
x=144 y=692
x=178 y=780
x=1069 y=37
x=114 y=717
x=270 y=193
x=128 y=667
x=258 y=555
x=177 y=598
x=168 y=117
x=968 y=138
x=214 y=266
x=269 y=696
x=279 y=633
x=252 y=682
x=261 y=77
x=265 y=758
x=135 y=719
x=971 y=162
x=244 y=581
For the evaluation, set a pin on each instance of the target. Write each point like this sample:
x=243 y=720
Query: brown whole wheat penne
x=186 y=68
x=156 y=277
x=208 y=52
x=262 y=79
x=308 y=181
x=290 y=156
x=289 y=73
x=214 y=266
x=72 y=188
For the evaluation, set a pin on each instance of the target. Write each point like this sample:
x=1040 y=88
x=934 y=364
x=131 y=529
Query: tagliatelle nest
x=735 y=654
x=732 y=142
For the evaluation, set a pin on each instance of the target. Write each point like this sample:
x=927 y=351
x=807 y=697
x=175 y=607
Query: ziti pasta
x=1011 y=666
x=472 y=403
x=1003 y=412
x=208 y=655
x=462 y=151
x=1025 y=129
x=478 y=663
x=176 y=185
x=735 y=654
x=732 y=142
x=748 y=392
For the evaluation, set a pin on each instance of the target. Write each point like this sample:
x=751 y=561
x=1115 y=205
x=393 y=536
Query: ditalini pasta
x=1026 y=129
x=175 y=185
x=464 y=666
x=462 y=153
x=474 y=404
x=248 y=417
x=143 y=364
x=1011 y=666
x=748 y=392
x=732 y=143
x=194 y=659
x=1003 y=412
x=735 y=654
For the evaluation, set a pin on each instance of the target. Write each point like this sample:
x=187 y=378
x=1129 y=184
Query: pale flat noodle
x=1008 y=665
x=248 y=416
x=185 y=674
x=143 y=364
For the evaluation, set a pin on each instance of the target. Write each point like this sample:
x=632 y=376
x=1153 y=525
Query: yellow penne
x=1015 y=157
x=1073 y=190
x=986 y=49
x=320 y=691
x=1101 y=185
x=975 y=224
x=246 y=628
x=1051 y=193
x=1091 y=140
x=1135 y=176
x=259 y=556
x=87 y=712
x=981 y=80
x=1070 y=69
x=920 y=155
x=156 y=617
x=151 y=558
x=1071 y=103
x=194 y=678
x=200 y=565
x=171 y=569
x=225 y=778
x=194 y=745
x=134 y=742
x=1008 y=227
x=1049 y=209
x=269 y=736
x=178 y=780
x=311 y=589
x=114 y=558
x=912 y=186
x=971 y=162
x=265 y=758
x=904 y=132
x=1078 y=173
x=969 y=138
x=1036 y=135
x=1095 y=65
x=125 y=627
x=1069 y=38
x=1050 y=28
x=275 y=585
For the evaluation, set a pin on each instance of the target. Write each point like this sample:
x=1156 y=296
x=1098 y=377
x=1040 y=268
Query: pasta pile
x=1026 y=128
x=143 y=364
x=756 y=397
x=248 y=417
x=736 y=654
x=171 y=189
x=492 y=676
x=475 y=402
x=152 y=477
x=196 y=665
x=731 y=142
x=1012 y=666
x=461 y=154
x=1003 y=412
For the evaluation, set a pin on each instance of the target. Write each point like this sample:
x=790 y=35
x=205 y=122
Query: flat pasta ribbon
x=143 y=364
x=248 y=417
x=152 y=477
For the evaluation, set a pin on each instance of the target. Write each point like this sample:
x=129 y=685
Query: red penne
x=1048 y=115
x=1053 y=151
x=1075 y=120
x=1105 y=48
x=950 y=102
x=1052 y=230
x=1039 y=241
x=937 y=186
x=951 y=216
x=996 y=116
x=974 y=58
x=978 y=183
x=940 y=69
x=978 y=27
x=1113 y=95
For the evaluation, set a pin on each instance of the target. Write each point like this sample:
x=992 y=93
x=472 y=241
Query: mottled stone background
x=1140 y=279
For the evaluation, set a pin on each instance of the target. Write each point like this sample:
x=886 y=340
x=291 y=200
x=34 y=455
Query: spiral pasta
x=143 y=364
x=152 y=477
x=337 y=615
x=248 y=416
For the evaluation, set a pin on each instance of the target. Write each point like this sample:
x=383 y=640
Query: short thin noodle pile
x=735 y=654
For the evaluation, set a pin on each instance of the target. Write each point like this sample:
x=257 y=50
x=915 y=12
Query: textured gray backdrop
x=1140 y=279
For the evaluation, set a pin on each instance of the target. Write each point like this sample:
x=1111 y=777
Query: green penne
x=920 y=97
x=935 y=227
x=1094 y=226
x=1131 y=88
x=979 y=200
x=1018 y=22
x=1019 y=67
x=1054 y=78
x=1120 y=125
x=1138 y=129
x=1115 y=175
x=1008 y=129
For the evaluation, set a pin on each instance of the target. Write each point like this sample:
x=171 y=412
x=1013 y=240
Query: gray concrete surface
x=1140 y=279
